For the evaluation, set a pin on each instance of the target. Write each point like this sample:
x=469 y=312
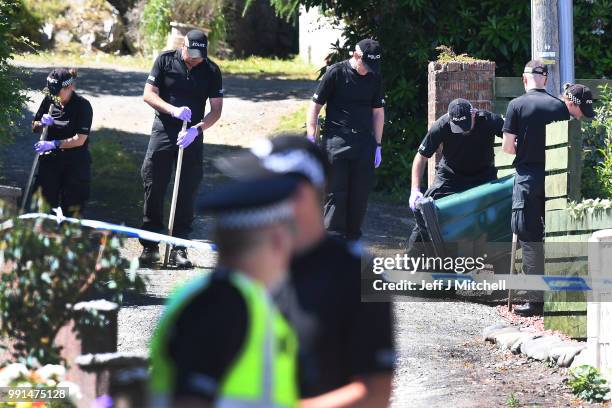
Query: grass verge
x=252 y=66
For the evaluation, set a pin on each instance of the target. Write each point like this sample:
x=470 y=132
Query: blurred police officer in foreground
x=525 y=136
x=467 y=136
x=221 y=340
x=346 y=355
x=64 y=172
x=354 y=121
x=179 y=84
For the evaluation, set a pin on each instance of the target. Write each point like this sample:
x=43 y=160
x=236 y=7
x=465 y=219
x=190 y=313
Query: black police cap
x=251 y=203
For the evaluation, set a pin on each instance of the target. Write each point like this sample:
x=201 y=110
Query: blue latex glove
x=415 y=195
x=181 y=112
x=185 y=137
x=378 y=157
x=44 y=146
x=46 y=120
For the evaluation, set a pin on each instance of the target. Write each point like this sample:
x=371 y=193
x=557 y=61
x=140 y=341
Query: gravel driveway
x=442 y=361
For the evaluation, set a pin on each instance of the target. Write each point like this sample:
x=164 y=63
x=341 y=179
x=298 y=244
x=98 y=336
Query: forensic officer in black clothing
x=525 y=136
x=346 y=353
x=467 y=136
x=221 y=341
x=64 y=173
x=179 y=84
x=354 y=121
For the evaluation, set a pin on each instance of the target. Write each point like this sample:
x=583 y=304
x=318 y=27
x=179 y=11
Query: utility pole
x=545 y=40
x=566 y=41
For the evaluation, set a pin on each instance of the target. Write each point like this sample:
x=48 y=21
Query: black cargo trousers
x=528 y=199
x=527 y=222
x=158 y=168
x=64 y=178
x=351 y=154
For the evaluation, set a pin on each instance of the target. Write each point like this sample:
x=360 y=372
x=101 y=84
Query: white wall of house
x=317 y=33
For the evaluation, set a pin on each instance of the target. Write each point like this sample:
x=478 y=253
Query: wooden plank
x=557 y=159
x=574 y=268
x=558 y=203
x=568 y=238
x=509 y=87
x=574 y=161
x=502 y=158
x=557 y=133
x=501 y=106
x=564 y=251
x=504 y=172
x=560 y=221
x=556 y=185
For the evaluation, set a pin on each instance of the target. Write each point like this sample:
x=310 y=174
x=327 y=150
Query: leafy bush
x=410 y=31
x=587 y=383
x=155 y=24
x=203 y=13
x=11 y=89
x=46 y=268
x=597 y=170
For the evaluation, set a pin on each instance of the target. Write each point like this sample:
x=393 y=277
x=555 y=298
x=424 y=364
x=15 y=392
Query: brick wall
x=474 y=81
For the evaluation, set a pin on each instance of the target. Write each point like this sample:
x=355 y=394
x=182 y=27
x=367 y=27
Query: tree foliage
x=410 y=31
x=11 y=89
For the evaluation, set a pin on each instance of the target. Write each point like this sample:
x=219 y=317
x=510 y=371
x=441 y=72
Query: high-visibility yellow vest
x=264 y=372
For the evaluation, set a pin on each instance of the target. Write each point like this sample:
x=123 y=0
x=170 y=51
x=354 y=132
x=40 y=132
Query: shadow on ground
x=104 y=81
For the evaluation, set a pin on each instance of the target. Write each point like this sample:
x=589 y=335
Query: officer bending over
x=221 y=340
x=467 y=136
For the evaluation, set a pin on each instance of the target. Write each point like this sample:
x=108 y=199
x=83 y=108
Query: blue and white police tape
x=119 y=229
x=405 y=281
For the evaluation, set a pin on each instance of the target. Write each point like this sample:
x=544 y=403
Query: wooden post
x=545 y=40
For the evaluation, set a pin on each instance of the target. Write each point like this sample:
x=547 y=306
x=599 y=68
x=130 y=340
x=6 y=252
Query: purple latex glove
x=185 y=137
x=44 y=146
x=378 y=157
x=181 y=112
x=415 y=195
x=311 y=138
x=46 y=120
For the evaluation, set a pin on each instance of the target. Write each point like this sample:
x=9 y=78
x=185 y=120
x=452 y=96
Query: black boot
x=178 y=258
x=149 y=256
x=529 y=309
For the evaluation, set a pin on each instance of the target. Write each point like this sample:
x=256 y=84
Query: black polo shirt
x=180 y=86
x=340 y=337
x=464 y=155
x=68 y=121
x=350 y=97
x=527 y=117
